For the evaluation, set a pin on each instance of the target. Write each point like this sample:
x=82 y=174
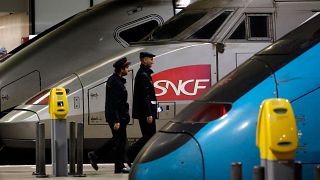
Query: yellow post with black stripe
x=58 y=109
x=277 y=138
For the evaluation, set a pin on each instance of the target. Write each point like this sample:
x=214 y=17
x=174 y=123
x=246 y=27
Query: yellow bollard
x=277 y=138
x=58 y=103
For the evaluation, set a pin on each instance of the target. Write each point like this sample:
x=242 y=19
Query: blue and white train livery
x=219 y=128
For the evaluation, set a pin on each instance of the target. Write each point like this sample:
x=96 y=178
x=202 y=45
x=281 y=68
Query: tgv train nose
x=170 y=155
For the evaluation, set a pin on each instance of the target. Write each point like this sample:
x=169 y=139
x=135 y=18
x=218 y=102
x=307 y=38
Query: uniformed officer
x=117 y=116
x=144 y=103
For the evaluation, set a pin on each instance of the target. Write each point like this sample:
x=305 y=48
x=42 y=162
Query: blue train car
x=219 y=128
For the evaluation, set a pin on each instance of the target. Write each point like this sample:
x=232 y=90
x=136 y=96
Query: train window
x=258 y=27
x=240 y=32
x=211 y=28
x=140 y=28
x=253 y=27
x=176 y=25
x=139 y=31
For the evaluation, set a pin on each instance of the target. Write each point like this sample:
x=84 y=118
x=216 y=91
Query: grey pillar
x=59 y=147
x=80 y=137
x=72 y=148
x=41 y=172
x=37 y=149
x=275 y=170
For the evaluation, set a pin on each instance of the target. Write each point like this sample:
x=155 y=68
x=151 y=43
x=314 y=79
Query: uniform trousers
x=116 y=145
x=147 y=130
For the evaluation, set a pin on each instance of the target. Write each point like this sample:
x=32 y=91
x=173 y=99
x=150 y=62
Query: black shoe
x=93 y=160
x=129 y=164
x=123 y=170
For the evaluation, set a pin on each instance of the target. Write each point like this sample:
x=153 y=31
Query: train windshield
x=192 y=25
x=175 y=25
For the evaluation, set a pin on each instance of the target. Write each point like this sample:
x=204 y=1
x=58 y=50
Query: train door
x=15 y=92
x=96 y=97
x=97 y=127
x=252 y=33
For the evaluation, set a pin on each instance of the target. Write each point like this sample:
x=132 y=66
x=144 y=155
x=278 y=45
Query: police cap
x=146 y=54
x=123 y=62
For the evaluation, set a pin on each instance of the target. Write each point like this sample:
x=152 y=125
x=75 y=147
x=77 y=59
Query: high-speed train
x=194 y=49
x=77 y=42
x=219 y=128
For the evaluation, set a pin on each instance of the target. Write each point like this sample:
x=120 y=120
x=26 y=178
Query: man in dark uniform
x=117 y=116
x=144 y=103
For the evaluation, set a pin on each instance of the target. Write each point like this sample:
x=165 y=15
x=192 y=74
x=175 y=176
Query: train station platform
x=24 y=172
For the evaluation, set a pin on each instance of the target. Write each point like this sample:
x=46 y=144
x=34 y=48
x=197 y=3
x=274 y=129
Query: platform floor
x=24 y=172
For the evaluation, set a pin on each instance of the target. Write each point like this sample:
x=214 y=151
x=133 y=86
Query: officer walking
x=117 y=116
x=144 y=103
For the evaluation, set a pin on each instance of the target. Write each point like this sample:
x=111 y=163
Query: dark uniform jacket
x=116 y=107
x=144 y=98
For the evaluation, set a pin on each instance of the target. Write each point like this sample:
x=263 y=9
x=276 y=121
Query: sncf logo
x=182 y=83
